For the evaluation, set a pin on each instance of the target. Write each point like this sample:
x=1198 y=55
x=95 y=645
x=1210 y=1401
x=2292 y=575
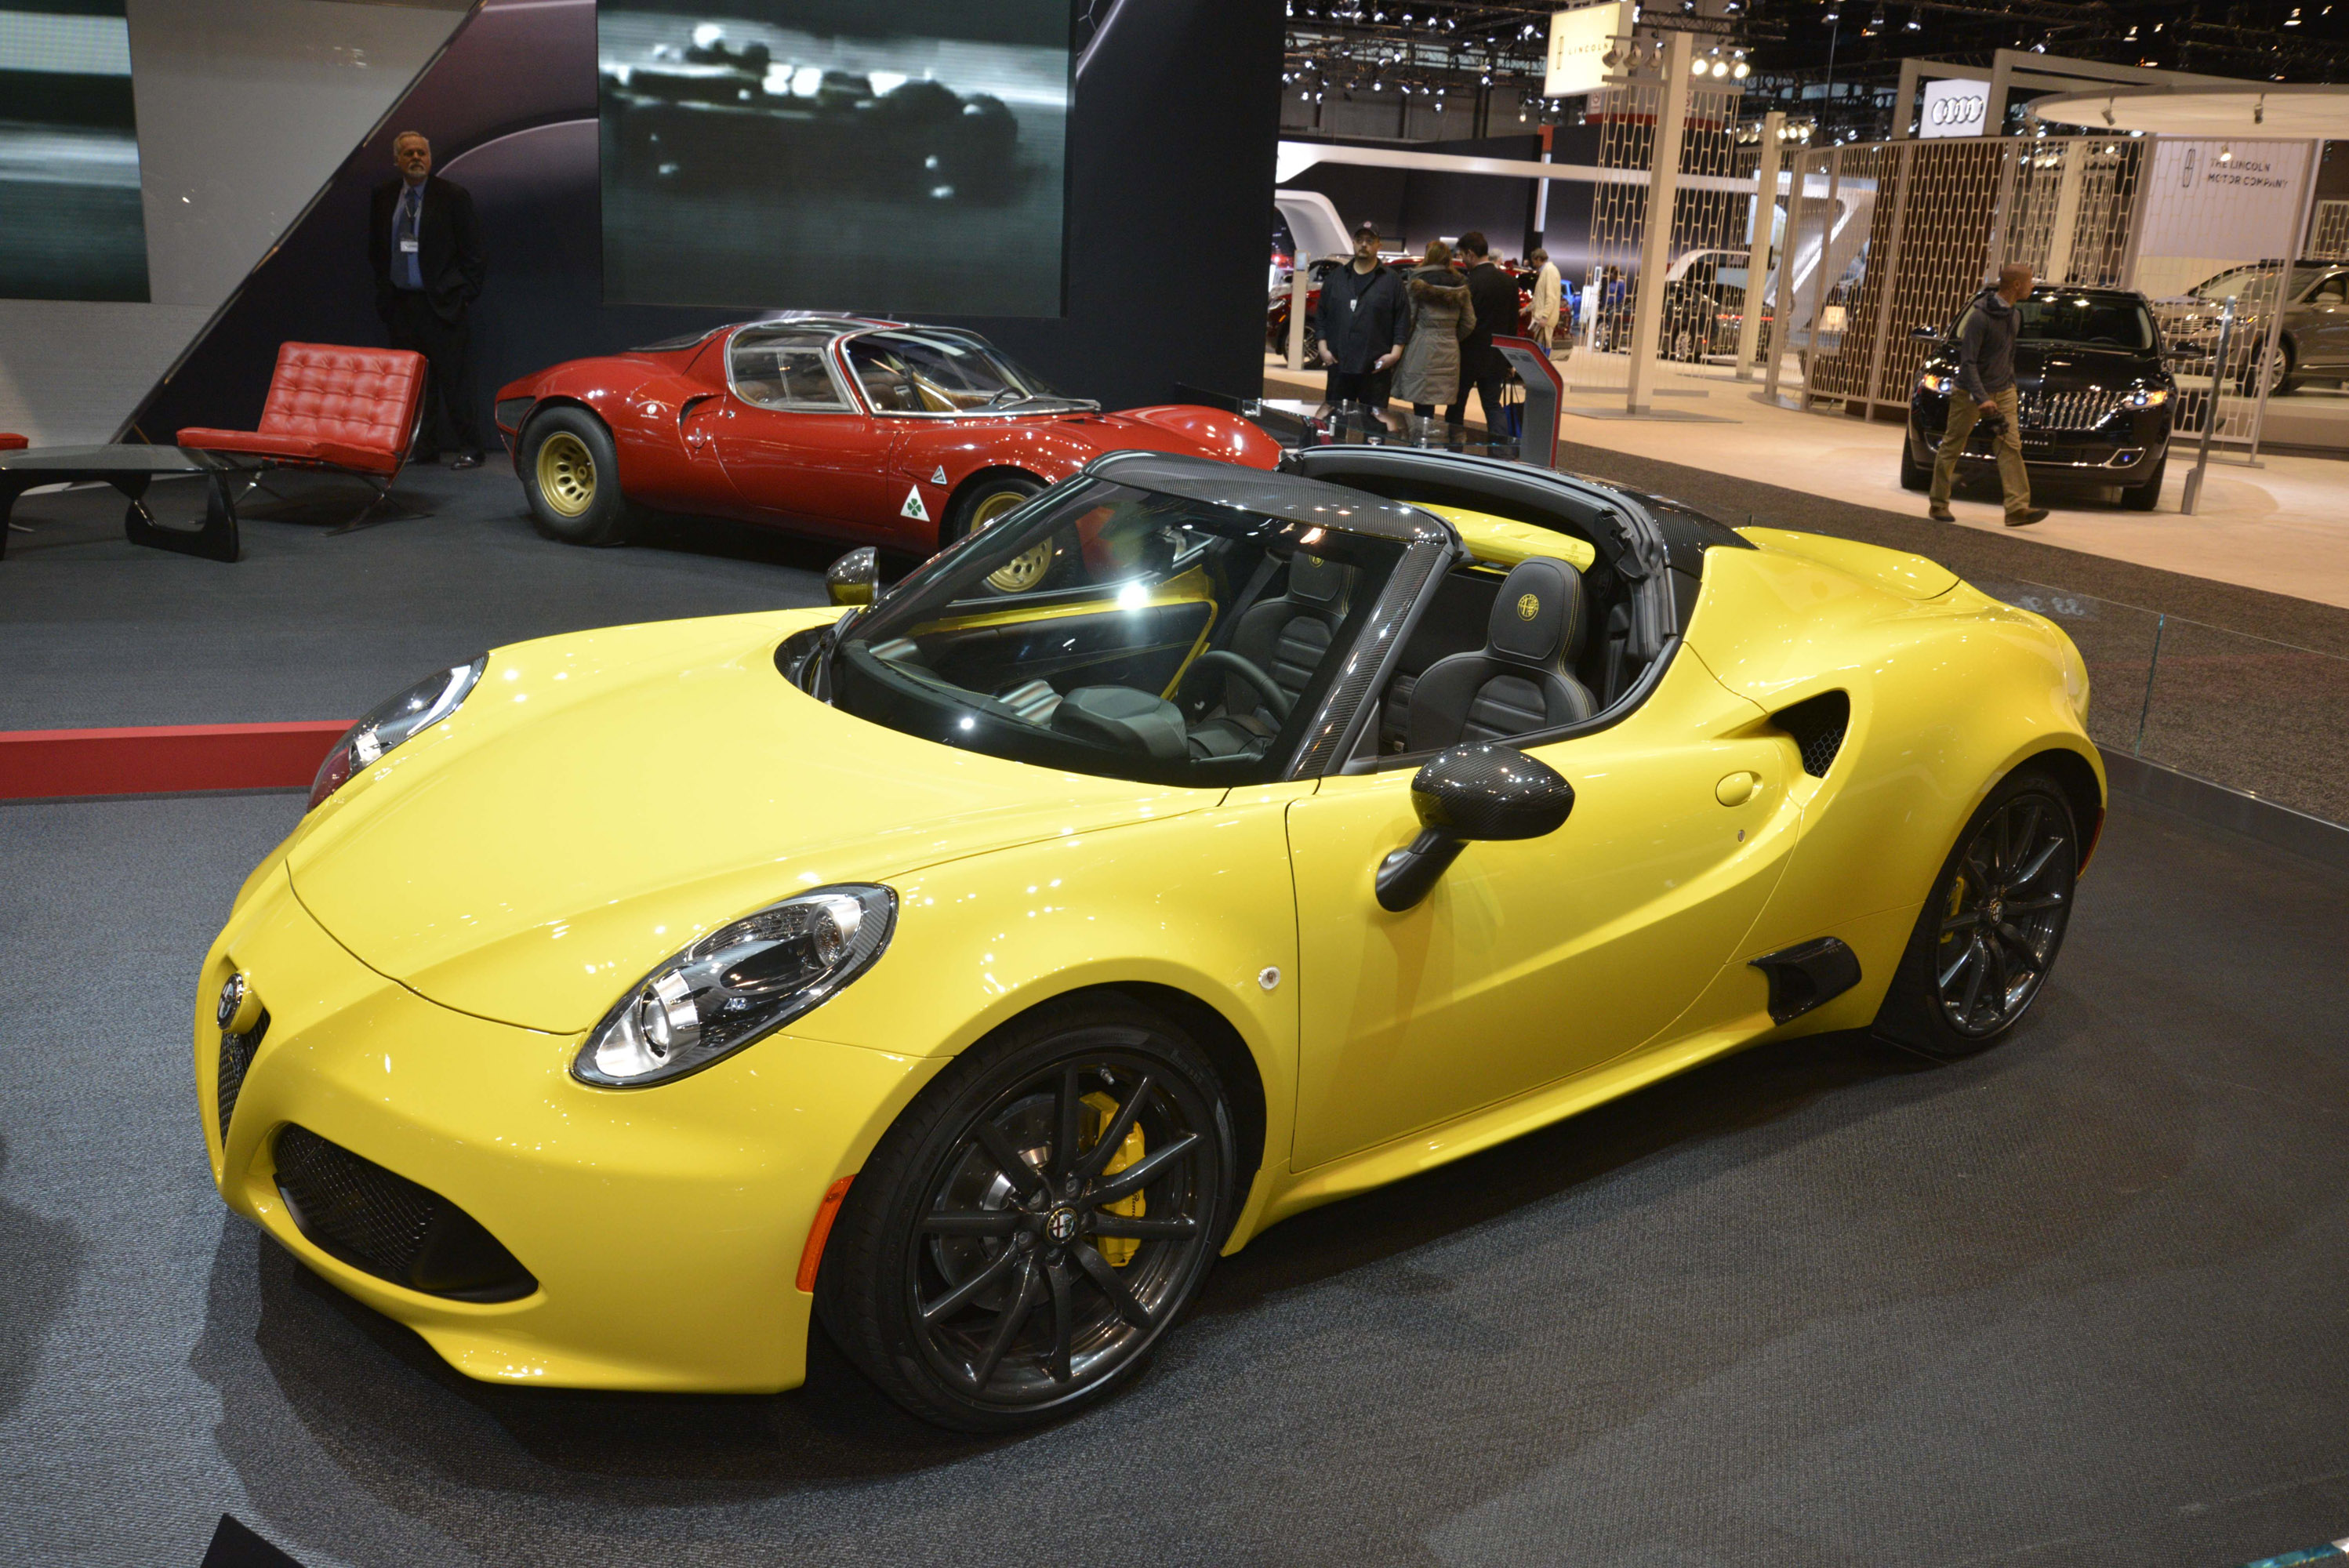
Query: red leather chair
x=349 y=410
x=12 y=443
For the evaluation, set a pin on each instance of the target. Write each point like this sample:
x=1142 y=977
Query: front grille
x=235 y=1060
x=375 y=1220
x=1817 y=724
x=2067 y=410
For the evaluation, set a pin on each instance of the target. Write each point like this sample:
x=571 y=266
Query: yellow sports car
x=1191 y=847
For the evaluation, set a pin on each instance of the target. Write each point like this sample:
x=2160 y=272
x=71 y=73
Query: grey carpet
x=99 y=632
x=2079 y=1300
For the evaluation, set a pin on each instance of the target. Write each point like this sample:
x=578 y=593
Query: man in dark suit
x=1493 y=293
x=425 y=251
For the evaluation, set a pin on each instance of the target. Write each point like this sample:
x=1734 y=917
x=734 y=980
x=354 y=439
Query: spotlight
x=1721 y=67
x=1741 y=71
x=1696 y=66
x=1830 y=14
x=2227 y=153
x=1916 y=22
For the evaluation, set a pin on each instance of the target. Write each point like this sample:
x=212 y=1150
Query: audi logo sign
x=1953 y=108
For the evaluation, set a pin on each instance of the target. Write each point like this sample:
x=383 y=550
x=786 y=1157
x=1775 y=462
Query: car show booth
x=961 y=910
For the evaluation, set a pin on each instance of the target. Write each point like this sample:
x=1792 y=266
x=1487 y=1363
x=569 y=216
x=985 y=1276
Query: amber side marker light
x=818 y=1232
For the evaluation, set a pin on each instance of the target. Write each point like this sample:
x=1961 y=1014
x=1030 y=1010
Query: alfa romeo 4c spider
x=966 y=970
x=868 y=432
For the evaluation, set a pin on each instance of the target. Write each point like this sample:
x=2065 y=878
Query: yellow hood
x=603 y=798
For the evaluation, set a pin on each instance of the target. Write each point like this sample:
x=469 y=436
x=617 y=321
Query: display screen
x=71 y=226
x=901 y=158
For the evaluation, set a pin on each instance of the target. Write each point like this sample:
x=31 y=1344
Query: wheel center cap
x=1995 y=906
x=1060 y=1225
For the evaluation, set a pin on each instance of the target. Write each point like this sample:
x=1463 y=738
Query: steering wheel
x=1266 y=686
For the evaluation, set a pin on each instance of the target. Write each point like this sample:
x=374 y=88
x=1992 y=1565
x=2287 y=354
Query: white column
x=1757 y=258
x=1656 y=244
x=2075 y=154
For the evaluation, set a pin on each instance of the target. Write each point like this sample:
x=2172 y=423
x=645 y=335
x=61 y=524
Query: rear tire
x=1991 y=928
x=571 y=472
x=980 y=504
x=989 y=1299
x=2145 y=495
x=2277 y=372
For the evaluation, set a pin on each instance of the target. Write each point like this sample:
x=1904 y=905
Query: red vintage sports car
x=873 y=432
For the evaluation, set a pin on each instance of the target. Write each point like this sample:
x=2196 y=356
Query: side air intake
x=1817 y=724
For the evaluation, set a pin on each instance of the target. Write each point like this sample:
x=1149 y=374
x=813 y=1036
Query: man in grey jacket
x=1986 y=388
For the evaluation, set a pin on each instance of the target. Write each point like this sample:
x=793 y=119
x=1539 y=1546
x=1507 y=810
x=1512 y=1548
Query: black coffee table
x=131 y=470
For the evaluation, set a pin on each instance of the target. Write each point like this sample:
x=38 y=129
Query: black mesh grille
x=235 y=1057
x=375 y=1220
x=1817 y=726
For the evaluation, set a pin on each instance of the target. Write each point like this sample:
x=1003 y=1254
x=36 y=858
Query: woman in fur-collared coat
x=1440 y=317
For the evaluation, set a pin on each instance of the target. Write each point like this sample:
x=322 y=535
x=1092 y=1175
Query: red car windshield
x=938 y=372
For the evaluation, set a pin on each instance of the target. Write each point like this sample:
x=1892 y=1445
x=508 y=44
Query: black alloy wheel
x=1990 y=933
x=1034 y=1223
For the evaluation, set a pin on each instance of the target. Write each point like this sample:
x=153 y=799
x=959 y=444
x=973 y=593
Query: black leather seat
x=1520 y=681
x=1286 y=637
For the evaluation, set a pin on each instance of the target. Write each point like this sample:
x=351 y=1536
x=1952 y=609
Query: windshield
x=1104 y=629
x=923 y=373
x=2100 y=319
x=2252 y=285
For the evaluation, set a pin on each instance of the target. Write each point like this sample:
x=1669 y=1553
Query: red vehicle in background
x=871 y=432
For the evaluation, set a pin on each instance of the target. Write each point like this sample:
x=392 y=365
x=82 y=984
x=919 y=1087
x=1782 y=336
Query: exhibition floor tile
x=2076 y=1299
x=2281 y=528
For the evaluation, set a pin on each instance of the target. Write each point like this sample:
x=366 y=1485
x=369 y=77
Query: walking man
x=1360 y=327
x=1546 y=291
x=425 y=251
x=1494 y=293
x=1986 y=390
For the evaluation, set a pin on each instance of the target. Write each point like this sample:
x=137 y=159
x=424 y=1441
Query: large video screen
x=71 y=226
x=904 y=158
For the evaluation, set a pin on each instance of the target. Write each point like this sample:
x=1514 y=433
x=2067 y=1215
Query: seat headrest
x=1537 y=615
x=1313 y=581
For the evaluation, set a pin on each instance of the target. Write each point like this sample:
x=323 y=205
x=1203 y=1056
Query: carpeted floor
x=2078 y=1300
x=99 y=632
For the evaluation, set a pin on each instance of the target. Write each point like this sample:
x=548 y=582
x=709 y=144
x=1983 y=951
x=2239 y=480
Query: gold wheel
x=1030 y=567
x=566 y=474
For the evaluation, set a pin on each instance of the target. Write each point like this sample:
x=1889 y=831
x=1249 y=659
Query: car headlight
x=739 y=982
x=1933 y=381
x=2148 y=397
x=392 y=723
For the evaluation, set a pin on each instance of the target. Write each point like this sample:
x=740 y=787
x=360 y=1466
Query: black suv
x=2094 y=397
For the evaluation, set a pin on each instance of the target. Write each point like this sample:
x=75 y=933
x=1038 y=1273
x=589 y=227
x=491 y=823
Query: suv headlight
x=1933 y=381
x=2148 y=397
x=738 y=983
x=392 y=723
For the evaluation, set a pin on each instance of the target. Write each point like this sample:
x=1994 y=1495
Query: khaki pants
x=2011 y=476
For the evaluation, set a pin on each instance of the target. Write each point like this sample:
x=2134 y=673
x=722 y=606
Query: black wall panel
x=1171 y=157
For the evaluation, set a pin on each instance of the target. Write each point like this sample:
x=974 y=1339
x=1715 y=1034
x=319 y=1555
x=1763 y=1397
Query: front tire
x=2145 y=495
x=2274 y=369
x=571 y=472
x=1914 y=475
x=1989 y=931
x=1037 y=1218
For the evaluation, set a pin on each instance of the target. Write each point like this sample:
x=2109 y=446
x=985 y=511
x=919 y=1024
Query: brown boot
x=2026 y=518
x=1939 y=512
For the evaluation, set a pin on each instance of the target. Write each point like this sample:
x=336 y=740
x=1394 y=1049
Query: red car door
x=794 y=444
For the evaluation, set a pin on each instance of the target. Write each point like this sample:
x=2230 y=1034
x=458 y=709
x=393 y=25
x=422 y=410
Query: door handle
x=1736 y=788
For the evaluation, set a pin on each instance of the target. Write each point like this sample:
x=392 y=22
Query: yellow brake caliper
x=1118 y=1251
